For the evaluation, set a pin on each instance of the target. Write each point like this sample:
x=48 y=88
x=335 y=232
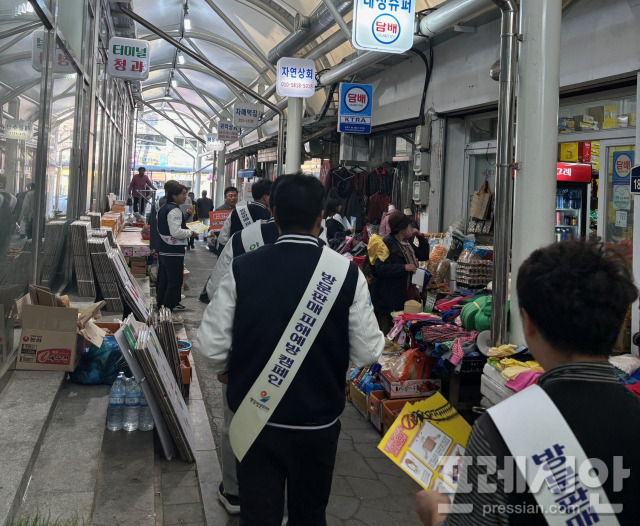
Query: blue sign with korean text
x=354 y=113
x=383 y=25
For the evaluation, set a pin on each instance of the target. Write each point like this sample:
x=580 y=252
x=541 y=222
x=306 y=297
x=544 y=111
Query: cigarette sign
x=354 y=114
x=383 y=25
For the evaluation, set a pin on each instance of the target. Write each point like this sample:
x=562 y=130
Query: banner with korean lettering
x=61 y=61
x=296 y=77
x=383 y=25
x=227 y=131
x=128 y=58
x=623 y=162
x=246 y=115
x=354 y=112
x=16 y=129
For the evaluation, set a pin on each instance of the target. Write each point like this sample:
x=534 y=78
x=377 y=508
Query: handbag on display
x=481 y=202
x=480 y=226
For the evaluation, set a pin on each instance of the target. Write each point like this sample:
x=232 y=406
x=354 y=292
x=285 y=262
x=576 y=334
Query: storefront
x=65 y=127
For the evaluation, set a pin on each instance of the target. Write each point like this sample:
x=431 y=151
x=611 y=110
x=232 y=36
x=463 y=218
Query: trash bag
x=100 y=366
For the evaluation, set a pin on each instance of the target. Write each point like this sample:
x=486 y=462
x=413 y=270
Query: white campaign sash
x=251 y=237
x=243 y=213
x=272 y=383
x=543 y=437
x=170 y=240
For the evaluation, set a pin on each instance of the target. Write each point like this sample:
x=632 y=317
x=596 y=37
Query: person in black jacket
x=298 y=444
x=392 y=284
x=333 y=219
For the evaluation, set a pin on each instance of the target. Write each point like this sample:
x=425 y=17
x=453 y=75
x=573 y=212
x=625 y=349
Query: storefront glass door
x=481 y=166
x=615 y=217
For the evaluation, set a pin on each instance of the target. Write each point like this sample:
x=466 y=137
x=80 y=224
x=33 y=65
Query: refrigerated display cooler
x=572 y=200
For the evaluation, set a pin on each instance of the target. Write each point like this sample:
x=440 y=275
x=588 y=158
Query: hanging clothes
x=380 y=181
x=378 y=204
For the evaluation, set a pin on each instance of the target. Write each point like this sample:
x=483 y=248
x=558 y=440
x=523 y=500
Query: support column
x=294 y=135
x=220 y=179
x=197 y=174
x=13 y=168
x=537 y=139
x=635 y=313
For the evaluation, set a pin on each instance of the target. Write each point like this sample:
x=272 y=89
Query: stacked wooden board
x=161 y=320
x=158 y=374
x=54 y=242
x=79 y=232
x=103 y=269
x=130 y=291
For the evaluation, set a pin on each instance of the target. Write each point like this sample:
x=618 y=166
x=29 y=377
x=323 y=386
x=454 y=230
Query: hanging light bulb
x=187 y=21
x=180 y=58
x=174 y=83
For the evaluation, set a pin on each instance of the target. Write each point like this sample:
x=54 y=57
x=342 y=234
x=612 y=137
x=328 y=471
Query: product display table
x=131 y=239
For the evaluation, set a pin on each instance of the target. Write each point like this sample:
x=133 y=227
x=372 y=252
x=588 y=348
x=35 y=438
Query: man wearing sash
x=246 y=213
x=284 y=324
x=530 y=458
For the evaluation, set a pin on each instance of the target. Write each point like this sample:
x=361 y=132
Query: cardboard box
x=584 y=118
x=141 y=252
x=584 y=152
x=568 y=152
x=391 y=408
x=49 y=339
x=410 y=388
x=375 y=408
x=359 y=400
x=601 y=113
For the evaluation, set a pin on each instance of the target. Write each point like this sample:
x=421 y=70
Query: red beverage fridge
x=572 y=201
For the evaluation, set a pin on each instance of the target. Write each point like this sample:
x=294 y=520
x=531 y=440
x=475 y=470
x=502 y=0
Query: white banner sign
x=128 y=58
x=296 y=77
x=15 y=129
x=383 y=25
x=211 y=139
x=246 y=115
x=227 y=131
x=61 y=61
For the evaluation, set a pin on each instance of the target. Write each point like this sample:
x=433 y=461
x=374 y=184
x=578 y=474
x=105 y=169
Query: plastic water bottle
x=116 y=404
x=131 y=415
x=146 y=418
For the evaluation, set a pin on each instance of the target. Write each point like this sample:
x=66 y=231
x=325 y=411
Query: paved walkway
x=368 y=489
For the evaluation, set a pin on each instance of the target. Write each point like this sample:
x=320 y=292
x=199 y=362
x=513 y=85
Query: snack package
x=408 y=366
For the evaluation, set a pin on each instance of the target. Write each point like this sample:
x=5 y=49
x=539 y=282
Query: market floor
x=368 y=489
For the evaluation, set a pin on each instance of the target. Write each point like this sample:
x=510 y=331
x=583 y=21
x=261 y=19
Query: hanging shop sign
x=211 y=139
x=61 y=61
x=635 y=180
x=383 y=25
x=296 y=77
x=16 y=129
x=246 y=115
x=227 y=131
x=354 y=113
x=217 y=145
x=622 y=166
x=128 y=58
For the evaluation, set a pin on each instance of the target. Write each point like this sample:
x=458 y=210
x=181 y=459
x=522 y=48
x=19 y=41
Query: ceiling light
x=174 y=83
x=180 y=58
x=187 y=21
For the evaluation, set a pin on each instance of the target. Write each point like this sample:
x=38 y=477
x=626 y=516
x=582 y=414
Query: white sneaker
x=177 y=320
x=182 y=296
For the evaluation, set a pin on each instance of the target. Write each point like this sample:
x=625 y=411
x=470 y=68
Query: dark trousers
x=139 y=204
x=169 y=281
x=302 y=459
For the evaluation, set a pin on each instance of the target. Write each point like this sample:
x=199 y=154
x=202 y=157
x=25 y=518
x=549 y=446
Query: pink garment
x=138 y=183
x=384 y=229
x=524 y=379
x=456 y=350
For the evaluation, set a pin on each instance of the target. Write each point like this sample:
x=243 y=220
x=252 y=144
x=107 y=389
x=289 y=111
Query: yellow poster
x=428 y=441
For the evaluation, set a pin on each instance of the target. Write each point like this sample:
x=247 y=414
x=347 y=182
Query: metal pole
x=537 y=138
x=229 y=78
x=42 y=154
x=196 y=171
x=242 y=36
x=504 y=167
x=176 y=124
x=20 y=29
x=337 y=17
x=220 y=179
x=294 y=134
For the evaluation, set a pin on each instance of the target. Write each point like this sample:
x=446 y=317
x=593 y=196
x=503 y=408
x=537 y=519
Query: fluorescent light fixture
x=187 y=22
x=180 y=58
x=174 y=83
